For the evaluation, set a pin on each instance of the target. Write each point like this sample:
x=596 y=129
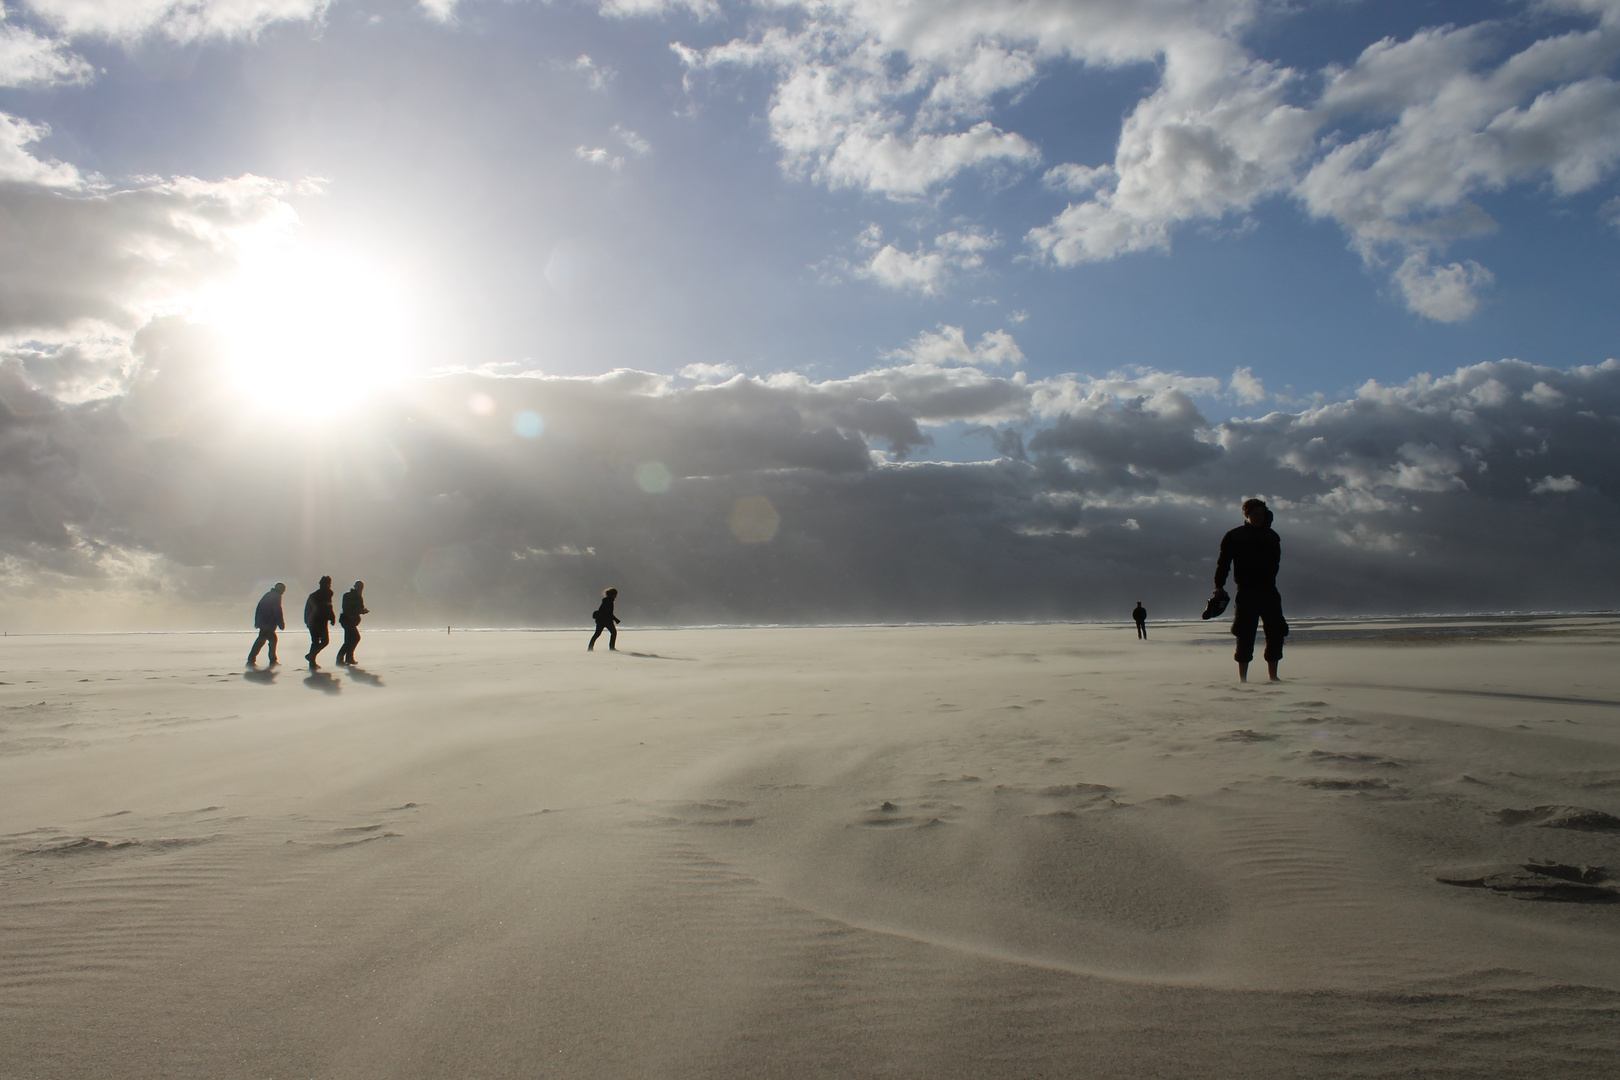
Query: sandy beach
x=961 y=851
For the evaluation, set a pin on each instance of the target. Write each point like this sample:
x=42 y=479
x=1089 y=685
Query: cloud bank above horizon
x=485 y=499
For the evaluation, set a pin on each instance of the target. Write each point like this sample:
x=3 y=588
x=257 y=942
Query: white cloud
x=928 y=270
x=597 y=76
x=1443 y=293
x=1245 y=387
x=598 y=155
x=1610 y=212
x=708 y=372
x=899 y=99
x=1542 y=394
x=948 y=346
x=1079 y=179
x=18 y=165
x=843 y=117
x=601 y=155
x=442 y=10
x=634 y=143
x=629 y=9
x=1552 y=484
x=182 y=20
x=26 y=59
x=1217 y=136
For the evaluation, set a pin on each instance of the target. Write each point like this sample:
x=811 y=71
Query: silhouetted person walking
x=318 y=615
x=354 y=606
x=1253 y=552
x=606 y=620
x=268 y=618
x=1139 y=613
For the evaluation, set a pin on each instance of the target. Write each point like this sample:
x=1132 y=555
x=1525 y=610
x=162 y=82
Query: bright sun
x=309 y=334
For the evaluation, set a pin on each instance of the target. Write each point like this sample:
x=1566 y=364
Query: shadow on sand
x=266 y=677
x=360 y=675
x=323 y=681
x=655 y=656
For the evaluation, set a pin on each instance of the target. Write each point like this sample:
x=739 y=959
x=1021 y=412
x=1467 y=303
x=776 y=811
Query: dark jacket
x=268 y=614
x=353 y=608
x=318 y=608
x=1139 y=613
x=604 y=615
x=1252 y=553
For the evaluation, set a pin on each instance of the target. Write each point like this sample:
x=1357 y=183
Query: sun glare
x=310 y=334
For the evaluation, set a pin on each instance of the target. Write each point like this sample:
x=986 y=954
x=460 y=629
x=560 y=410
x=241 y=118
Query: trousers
x=267 y=634
x=319 y=638
x=1257 y=608
x=351 y=638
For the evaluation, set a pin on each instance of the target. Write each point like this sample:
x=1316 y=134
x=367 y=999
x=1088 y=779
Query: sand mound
x=1561 y=817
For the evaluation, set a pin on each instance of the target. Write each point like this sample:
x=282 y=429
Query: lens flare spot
x=754 y=520
x=528 y=424
x=481 y=404
x=652 y=477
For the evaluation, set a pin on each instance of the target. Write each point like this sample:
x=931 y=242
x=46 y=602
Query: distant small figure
x=318 y=615
x=1253 y=553
x=268 y=618
x=1139 y=613
x=354 y=606
x=606 y=620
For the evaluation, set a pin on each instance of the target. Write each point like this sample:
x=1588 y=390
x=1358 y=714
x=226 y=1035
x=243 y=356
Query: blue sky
x=450 y=149
x=1252 y=206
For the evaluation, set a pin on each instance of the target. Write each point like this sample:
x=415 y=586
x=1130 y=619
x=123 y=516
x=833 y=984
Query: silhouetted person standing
x=354 y=606
x=1139 y=613
x=318 y=615
x=268 y=618
x=606 y=620
x=1253 y=552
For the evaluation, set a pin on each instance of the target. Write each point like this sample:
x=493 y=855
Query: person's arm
x=1224 y=564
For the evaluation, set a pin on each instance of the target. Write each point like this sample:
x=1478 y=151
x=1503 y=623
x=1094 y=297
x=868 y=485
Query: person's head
x=1255 y=512
x=326 y=581
x=360 y=585
x=281 y=586
x=610 y=593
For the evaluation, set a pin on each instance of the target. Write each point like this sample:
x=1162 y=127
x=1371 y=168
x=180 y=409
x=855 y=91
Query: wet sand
x=989 y=851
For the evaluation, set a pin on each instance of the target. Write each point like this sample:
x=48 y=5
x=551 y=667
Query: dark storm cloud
x=486 y=499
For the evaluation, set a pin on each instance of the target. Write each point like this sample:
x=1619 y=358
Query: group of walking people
x=1251 y=553
x=319 y=614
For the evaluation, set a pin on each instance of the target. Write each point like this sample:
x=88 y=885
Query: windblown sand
x=992 y=851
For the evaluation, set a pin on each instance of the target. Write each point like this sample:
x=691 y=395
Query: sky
x=804 y=310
